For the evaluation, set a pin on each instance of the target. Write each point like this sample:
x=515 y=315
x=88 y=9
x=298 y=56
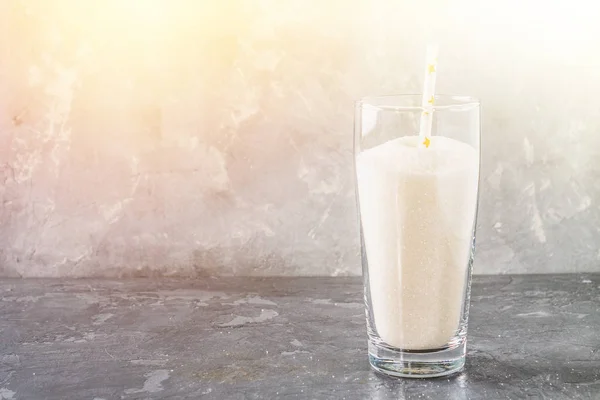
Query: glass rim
x=412 y=102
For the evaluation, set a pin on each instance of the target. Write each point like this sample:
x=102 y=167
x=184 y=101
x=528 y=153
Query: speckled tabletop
x=533 y=337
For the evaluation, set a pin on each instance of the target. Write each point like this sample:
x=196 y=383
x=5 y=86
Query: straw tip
x=433 y=48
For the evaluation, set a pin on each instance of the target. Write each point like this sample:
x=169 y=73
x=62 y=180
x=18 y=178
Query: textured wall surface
x=191 y=137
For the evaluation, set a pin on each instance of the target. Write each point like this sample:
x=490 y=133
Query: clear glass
x=417 y=209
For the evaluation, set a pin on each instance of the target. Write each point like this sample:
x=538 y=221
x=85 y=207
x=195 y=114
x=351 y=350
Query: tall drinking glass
x=417 y=202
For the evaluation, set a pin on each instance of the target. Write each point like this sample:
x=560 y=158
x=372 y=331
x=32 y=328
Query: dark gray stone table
x=534 y=337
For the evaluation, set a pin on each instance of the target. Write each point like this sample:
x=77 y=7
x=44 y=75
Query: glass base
x=413 y=364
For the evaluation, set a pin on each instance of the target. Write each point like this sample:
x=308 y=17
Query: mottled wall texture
x=192 y=137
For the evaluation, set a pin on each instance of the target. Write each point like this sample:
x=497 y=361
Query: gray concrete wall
x=196 y=137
